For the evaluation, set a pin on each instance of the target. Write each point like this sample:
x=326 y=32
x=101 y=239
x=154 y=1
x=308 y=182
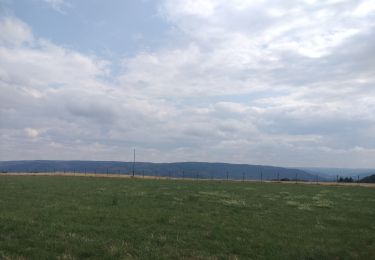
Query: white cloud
x=58 y=5
x=253 y=82
x=365 y=8
x=14 y=32
x=32 y=133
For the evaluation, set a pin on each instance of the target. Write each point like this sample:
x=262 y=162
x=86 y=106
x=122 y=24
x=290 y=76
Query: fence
x=181 y=174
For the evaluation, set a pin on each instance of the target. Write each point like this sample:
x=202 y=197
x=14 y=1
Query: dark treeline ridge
x=368 y=179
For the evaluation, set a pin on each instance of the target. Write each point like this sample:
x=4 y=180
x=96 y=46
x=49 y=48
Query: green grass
x=83 y=217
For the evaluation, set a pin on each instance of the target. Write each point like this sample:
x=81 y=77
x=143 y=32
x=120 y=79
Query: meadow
x=65 y=217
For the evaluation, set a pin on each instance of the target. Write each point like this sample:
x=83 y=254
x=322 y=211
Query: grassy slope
x=77 y=217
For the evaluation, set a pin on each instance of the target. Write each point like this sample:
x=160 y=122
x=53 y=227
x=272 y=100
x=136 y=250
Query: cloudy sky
x=288 y=83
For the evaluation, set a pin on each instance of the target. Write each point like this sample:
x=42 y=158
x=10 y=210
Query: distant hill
x=368 y=179
x=179 y=169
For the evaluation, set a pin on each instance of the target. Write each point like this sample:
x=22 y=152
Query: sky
x=286 y=83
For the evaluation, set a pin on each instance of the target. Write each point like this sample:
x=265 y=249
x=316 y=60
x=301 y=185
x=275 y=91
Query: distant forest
x=368 y=179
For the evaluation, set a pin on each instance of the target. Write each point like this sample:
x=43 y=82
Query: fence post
x=261 y=175
x=227 y=176
x=183 y=174
x=278 y=176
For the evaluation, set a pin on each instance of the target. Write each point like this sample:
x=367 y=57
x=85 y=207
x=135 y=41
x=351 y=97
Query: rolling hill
x=178 y=169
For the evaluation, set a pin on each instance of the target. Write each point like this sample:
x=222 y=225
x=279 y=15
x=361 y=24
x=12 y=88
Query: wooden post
x=133 y=161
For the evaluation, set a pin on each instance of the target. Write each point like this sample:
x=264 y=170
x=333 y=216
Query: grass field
x=44 y=217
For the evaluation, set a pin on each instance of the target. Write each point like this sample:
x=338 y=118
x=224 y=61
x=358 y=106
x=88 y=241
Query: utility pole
x=133 y=161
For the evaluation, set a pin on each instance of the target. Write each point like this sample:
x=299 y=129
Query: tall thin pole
x=133 y=161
